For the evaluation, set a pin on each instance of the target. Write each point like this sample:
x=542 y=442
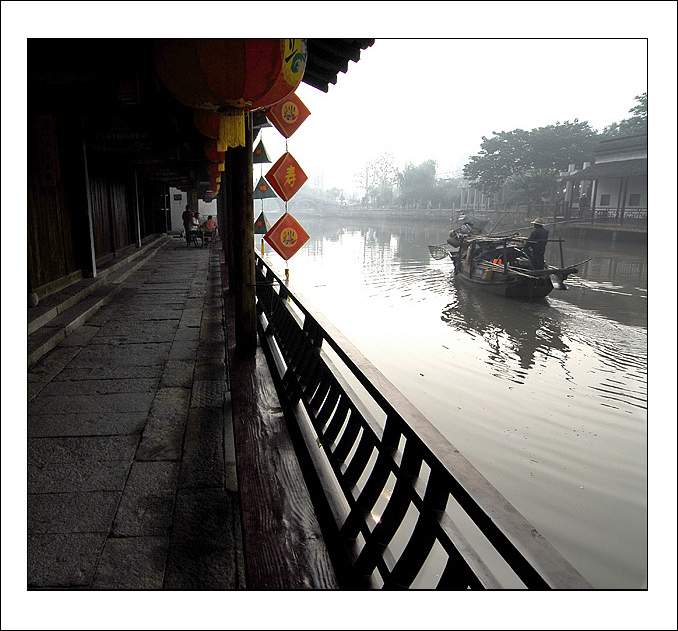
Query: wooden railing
x=632 y=217
x=399 y=506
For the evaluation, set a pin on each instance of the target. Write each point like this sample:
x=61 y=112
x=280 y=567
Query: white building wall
x=636 y=185
x=177 y=205
x=178 y=201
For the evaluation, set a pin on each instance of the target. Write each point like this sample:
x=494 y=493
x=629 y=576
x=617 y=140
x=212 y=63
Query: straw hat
x=539 y=221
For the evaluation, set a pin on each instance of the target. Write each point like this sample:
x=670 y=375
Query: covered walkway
x=131 y=464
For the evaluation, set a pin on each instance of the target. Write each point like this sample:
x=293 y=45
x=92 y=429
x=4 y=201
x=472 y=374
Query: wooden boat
x=502 y=266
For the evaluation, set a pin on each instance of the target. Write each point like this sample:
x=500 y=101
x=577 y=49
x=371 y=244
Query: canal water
x=548 y=399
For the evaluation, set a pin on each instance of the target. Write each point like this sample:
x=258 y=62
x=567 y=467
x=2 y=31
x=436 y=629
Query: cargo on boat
x=503 y=266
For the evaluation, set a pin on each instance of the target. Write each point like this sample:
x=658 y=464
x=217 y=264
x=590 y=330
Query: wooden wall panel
x=46 y=260
x=111 y=208
x=100 y=216
x=118 y=195
x=51 y=253
x=153 y=204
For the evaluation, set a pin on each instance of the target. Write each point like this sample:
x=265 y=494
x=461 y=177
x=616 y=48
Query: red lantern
x=207 y=123
x=214 y=172
x=231 y=76
x=213 y=155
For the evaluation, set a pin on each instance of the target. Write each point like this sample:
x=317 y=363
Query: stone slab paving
x=131 y=465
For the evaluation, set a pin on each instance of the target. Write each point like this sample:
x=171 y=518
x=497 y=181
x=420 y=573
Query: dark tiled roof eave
x=618 y=168
x=617 y=143
x=328 y=57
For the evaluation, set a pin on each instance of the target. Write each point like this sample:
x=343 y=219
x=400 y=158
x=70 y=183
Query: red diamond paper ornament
x=286 y=177
x=288 y=115
x=286 y=236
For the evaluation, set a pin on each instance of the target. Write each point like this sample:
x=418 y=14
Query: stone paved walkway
x=131 y=467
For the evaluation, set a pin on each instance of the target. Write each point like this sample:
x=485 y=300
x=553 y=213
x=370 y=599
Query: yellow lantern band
x=231 y=130
x=221 y=166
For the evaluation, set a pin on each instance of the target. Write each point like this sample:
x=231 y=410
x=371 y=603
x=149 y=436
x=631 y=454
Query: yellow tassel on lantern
x=231 y=130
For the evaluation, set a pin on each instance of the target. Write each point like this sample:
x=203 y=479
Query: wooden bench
x=283 y=542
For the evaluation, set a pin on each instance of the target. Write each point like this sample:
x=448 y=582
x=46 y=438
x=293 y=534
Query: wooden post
x=625 y=191
x=222 y=215
x=91 y=262
x=229 y=208
x=137 y=217
x=619 y=200
x=621 y=203
x=593 y=200
x=168 y=210
x=241 y=235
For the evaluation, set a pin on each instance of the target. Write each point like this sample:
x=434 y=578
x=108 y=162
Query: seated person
x=210 y=225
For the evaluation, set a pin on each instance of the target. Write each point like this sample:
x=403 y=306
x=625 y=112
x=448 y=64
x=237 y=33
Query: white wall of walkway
x=178 y=201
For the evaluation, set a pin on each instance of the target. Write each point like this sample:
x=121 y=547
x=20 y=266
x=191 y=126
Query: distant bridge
x=309 y=204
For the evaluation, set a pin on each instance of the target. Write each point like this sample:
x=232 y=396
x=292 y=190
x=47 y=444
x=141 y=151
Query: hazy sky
x=421 y=99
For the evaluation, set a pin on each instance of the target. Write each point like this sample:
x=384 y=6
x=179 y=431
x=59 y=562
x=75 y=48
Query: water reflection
x=613 y=283
x=516 y=333
x=546 y=398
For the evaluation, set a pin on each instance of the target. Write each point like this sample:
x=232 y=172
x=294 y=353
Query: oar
x=500 y=220
x=438 y=252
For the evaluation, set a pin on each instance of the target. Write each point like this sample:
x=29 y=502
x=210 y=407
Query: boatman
x=537 y=243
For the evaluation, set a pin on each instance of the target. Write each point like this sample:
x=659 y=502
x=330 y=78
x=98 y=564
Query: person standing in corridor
x=187 y=218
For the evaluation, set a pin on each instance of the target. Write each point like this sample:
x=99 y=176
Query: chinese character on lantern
x=290 y=178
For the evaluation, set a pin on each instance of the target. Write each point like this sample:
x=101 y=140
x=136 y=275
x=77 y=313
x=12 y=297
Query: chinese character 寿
x=290 y=177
